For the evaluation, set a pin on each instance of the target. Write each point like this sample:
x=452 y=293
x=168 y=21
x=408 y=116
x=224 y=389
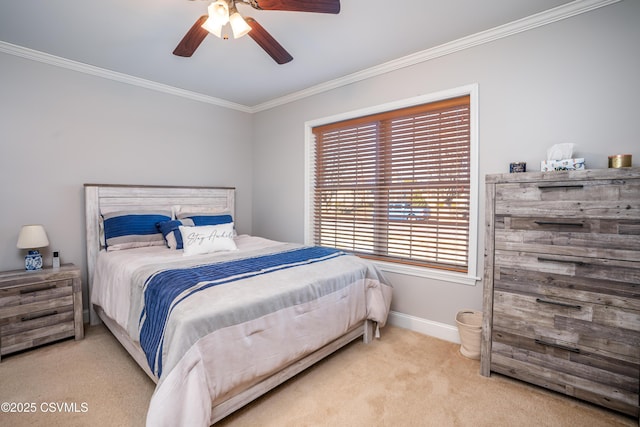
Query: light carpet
x=403 y=379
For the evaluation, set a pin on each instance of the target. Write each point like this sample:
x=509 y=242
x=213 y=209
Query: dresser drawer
x=589 y=238
x=585 y=375
x=569 y=324
x=583 y=350
x=606 y=282
x=611 y=198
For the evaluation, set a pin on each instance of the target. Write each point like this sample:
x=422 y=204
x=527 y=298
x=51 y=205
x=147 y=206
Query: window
x=396 y=185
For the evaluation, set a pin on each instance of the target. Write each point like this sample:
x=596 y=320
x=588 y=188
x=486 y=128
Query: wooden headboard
x=129 y=197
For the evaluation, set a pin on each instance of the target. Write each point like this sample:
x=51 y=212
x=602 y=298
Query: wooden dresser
x=38 y=307
x=562 y=283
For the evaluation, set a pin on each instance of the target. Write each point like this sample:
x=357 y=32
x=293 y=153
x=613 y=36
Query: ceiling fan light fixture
x=219 y=12
x=222 y=12
x=238 y=25
x=213 y=27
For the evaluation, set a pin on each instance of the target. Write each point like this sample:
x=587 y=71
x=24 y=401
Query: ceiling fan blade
x=319 y=6
x=267 y=42
x=192 y=39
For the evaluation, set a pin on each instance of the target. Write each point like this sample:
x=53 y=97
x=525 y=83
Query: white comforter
x=203 y=363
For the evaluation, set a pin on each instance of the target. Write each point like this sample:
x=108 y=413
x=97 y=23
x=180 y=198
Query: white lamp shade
x=212 y=27
x=238 y=25
x=32 y=236
x=219 y=12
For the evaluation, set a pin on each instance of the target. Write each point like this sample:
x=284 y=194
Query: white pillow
x=206 y=239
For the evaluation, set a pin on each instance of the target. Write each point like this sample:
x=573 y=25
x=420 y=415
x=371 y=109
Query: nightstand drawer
x=20 y=300
x=35 y=320
x=36 y=332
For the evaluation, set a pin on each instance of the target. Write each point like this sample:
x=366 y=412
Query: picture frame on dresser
x=562 y=283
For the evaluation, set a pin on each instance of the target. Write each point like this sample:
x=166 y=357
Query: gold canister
x=620 y=161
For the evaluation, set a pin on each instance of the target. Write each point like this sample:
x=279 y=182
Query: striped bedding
x=213 y=324
x=166 y=289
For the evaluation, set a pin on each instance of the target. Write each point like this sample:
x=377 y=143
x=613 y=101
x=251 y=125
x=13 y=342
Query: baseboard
x=424 y=326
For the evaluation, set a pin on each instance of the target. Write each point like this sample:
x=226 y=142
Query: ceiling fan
x=221 y=12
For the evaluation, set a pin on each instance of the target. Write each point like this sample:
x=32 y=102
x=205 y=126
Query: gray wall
x=60 y=129
x=571 y=81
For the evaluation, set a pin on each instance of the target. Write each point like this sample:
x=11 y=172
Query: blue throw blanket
x=165 y=289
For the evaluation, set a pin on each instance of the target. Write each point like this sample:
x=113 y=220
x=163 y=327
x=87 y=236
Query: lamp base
x=33 y=261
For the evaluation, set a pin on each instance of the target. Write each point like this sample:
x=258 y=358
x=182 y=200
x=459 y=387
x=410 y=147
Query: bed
x=217 y=319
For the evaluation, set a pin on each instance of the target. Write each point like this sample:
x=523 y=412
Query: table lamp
x=32 y=237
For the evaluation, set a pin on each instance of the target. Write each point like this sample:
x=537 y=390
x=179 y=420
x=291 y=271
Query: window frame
x=468 y=278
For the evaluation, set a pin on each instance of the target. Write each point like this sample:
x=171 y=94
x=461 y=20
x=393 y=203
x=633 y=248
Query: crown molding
x=57 y=61
x=550 y=16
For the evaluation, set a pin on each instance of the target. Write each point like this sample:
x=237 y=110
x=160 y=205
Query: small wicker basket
x=470 y=329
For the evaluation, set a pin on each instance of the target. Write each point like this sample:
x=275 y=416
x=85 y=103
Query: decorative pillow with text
x=207 y=239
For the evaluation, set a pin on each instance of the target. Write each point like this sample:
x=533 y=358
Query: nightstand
x=38 y=307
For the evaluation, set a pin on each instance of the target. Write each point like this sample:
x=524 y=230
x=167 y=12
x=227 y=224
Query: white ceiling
x=137 y=37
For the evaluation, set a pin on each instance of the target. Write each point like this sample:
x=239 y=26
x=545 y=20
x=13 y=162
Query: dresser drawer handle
x=571 y=224
x=42 y=288
x=38 y=316
x=560 y=346
x=561 y=304
x=559 y=187
x=542 y=259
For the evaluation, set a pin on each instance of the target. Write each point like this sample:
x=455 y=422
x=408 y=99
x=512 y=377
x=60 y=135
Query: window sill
x=445 y=276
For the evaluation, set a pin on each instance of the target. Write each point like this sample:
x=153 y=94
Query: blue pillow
x=202 y=219
x=171 y=232
x=133 y=229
